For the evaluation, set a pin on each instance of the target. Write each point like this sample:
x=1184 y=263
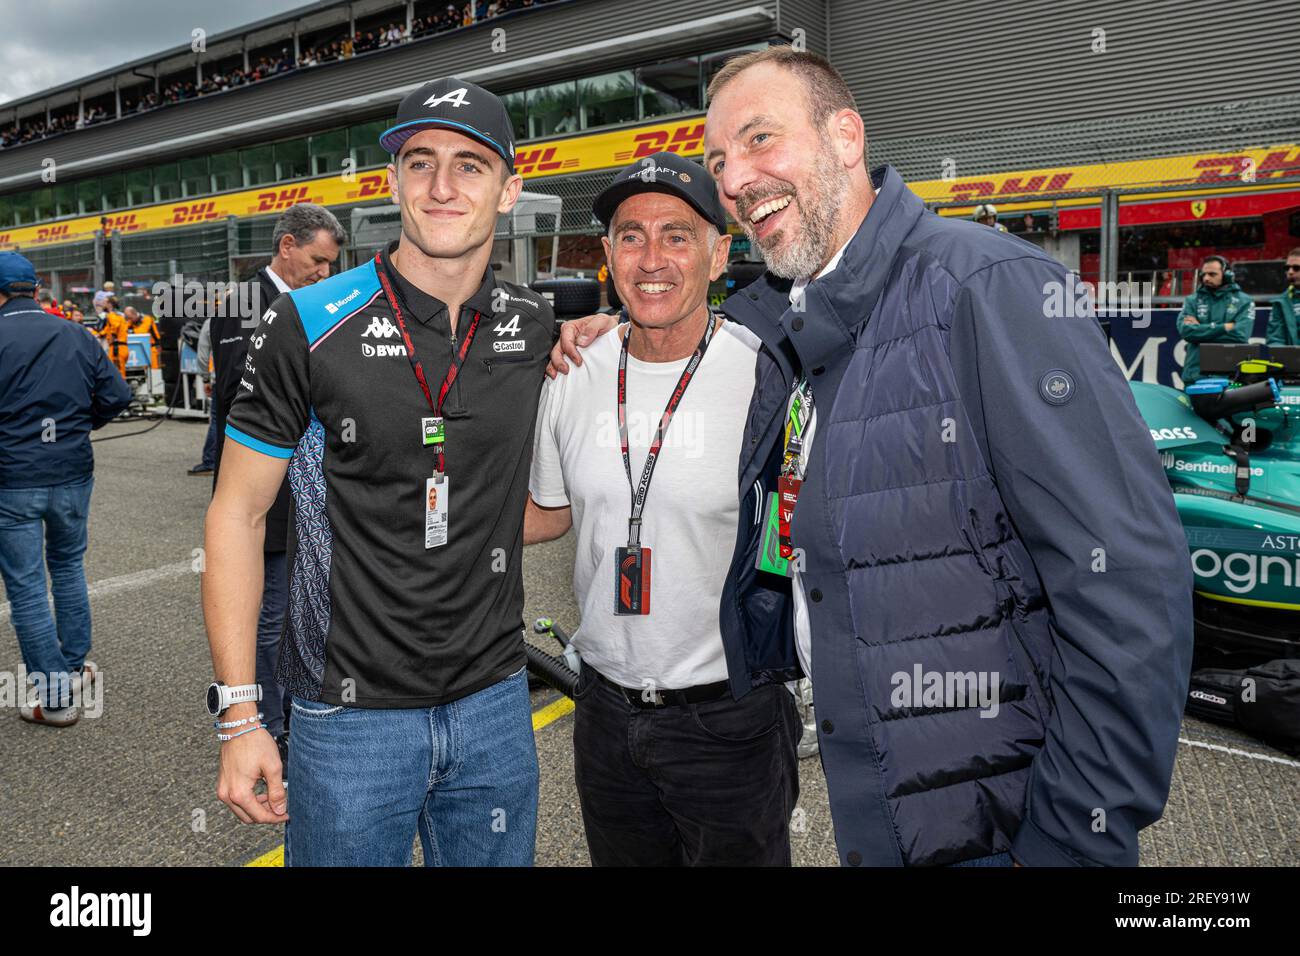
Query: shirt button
x=797 y=324
x=828 y=727
x=854 y=858
x=815 y=594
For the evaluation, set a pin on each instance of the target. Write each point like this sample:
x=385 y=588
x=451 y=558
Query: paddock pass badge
x=435 y=511
x=432 y=431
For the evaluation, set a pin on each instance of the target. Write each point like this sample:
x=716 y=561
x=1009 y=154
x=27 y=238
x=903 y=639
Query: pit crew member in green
x=401 y=396
x=1218 y=311
x=1284 y=317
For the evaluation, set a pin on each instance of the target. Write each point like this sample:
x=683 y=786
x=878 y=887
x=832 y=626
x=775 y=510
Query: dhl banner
x=618 y=147
x=1263 y=166
x=577 y=154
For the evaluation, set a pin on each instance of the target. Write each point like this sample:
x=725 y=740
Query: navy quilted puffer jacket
x=982 y=501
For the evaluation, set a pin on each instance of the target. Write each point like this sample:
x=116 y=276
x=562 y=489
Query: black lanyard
x=640 y=491
x=457 y=358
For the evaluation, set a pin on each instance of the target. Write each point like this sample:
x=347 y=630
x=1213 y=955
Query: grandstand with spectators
x=1088 y=131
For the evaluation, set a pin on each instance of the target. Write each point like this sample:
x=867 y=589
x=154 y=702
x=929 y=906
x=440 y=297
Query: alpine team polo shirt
x=375 y=618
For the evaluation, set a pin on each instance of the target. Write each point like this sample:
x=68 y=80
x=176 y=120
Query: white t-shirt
x=802 y=625
x=691 y=512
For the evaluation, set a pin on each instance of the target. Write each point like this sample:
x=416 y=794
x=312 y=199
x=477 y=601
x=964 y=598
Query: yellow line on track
x=541 y=717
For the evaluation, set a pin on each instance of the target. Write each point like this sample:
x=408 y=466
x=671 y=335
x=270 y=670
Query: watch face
x=214 y=699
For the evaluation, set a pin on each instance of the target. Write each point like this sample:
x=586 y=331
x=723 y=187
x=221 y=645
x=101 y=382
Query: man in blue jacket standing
x=56 y=386
x=991 y=590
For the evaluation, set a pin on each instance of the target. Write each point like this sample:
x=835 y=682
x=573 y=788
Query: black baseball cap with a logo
x=664 y=173
x=449 y=103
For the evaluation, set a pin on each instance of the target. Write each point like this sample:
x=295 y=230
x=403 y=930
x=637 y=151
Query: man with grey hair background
x=306 y=243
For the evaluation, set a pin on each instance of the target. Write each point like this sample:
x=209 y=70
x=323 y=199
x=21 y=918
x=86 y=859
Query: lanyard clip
x=634 y=532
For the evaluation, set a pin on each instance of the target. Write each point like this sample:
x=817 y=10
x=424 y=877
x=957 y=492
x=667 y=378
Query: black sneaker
x=198 y=470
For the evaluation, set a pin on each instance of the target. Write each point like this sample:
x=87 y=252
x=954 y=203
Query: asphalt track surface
x=136 y=785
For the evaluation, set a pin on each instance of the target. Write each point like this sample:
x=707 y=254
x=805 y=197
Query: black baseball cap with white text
x=449 y=103
x=665 y=173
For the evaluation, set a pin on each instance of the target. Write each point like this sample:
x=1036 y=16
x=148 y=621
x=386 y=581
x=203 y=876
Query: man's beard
x=801 y=254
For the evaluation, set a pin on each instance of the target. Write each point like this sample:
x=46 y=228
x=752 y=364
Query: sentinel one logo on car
x=76 y=909
x=380 y=328
x=332 y=307
x=1174 y=463
x=1242 y=573
x=1172 y=434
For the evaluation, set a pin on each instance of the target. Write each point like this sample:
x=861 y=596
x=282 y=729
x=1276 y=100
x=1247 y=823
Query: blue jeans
x=364 y=781
x=46 y=528
x=270 y=625
x=210 y=443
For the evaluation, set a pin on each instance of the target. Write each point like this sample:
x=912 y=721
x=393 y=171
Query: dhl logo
x=194 y=212
x=4 y=238
x=50 y=233
x=372 y=185
x=683 y=140
x=539 y=159
x=278 y=199
x=125 y=222
x=1218 y=168
x=1015 y=186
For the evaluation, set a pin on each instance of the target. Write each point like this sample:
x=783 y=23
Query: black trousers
x=709 y=784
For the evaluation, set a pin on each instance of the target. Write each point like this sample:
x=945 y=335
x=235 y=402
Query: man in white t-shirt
x=637 y=451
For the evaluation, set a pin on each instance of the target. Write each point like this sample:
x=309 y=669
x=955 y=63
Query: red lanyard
x=457 y=358
x=640 y=491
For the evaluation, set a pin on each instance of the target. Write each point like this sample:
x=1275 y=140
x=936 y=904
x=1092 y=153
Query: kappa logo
x=512 y=327
x=380 y=327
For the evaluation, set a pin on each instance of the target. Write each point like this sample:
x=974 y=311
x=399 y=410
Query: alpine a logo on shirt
x=513 y=344
x=380 y=327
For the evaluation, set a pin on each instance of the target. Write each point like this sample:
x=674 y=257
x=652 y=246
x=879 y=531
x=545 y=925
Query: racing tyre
x=570 y=297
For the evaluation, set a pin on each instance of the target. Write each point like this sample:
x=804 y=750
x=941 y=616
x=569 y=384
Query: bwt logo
x=281 y=199
x=194 y=212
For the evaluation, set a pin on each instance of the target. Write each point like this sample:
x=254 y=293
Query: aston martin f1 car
x=1230 y=446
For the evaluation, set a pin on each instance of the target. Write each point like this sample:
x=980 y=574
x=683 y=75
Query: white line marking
x=1240 y=753
x=124 y=582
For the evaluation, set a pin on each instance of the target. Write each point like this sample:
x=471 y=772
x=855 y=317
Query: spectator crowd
x=219 y=81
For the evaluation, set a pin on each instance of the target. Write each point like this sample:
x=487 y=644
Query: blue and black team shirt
x=375 y=619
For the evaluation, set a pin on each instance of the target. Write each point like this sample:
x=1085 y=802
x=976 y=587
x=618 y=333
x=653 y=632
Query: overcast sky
x=48 y=42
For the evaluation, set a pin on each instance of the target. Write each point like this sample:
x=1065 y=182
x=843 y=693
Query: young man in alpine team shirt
x=403 y=650
x=672 y=768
